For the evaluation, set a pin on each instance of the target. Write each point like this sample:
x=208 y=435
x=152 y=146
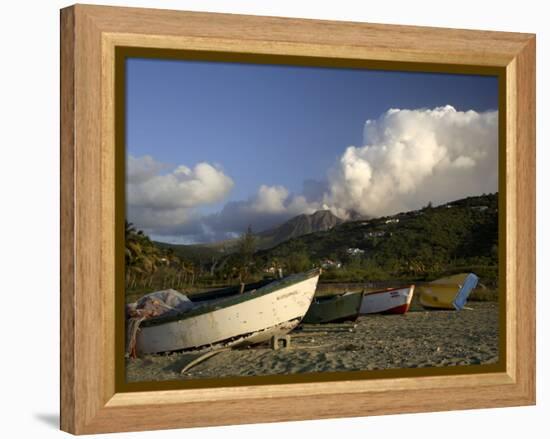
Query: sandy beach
x=420 y=338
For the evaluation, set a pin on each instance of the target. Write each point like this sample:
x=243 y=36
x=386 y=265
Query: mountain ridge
x=303 y=224
x=319 y=221
x=457 y=236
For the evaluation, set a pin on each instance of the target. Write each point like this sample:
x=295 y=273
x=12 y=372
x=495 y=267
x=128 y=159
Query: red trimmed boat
x=389 y=301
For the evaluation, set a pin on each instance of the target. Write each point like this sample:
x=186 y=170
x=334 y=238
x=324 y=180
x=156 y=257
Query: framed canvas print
x=270 y=219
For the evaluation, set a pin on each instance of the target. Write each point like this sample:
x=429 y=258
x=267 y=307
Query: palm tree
x=142 y=257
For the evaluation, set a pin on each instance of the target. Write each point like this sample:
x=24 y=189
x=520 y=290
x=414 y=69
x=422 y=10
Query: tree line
x=421 y=245
x=150 y=267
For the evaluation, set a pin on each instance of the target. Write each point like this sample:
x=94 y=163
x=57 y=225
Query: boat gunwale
x=217 y=294
x=226 y=302
x=328 y=298
x=368 y=293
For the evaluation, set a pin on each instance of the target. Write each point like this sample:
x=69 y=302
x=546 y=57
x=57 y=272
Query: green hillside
x=420 y=245
x=460 y=235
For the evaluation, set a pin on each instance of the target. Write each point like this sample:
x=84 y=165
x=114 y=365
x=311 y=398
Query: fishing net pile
x=163 y=303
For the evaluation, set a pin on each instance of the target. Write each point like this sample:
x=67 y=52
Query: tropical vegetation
x=419 y=245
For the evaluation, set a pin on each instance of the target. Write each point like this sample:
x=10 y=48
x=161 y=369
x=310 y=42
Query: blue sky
x=273 y=125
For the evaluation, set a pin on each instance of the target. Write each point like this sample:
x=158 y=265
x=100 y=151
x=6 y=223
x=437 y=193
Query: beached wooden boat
x=248 y=318
x=388 y=301
x=334 y=309
x=449 y=292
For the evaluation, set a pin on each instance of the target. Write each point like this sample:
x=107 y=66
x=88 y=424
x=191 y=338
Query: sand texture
x=420 y=338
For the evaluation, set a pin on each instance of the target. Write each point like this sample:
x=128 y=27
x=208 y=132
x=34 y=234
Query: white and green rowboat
x=248 y=318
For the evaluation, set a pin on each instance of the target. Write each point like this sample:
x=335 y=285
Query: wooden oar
x=201 y=358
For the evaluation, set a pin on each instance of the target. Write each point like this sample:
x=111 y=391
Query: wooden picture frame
x=90 y=36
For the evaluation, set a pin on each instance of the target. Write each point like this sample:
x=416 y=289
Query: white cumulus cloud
x=278 y=200
x=270 y=199
x=157 y=200
x=182 y=187
x=408 y=159
x=412 y=157
x=140 y=169
x=269 y=207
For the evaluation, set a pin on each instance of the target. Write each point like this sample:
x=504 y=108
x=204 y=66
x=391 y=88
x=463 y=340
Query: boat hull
x=248 y=318
x=392 y=301
x=336 y=309
x=448 y=293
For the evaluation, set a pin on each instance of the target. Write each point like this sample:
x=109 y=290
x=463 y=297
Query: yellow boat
x=449 y=292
